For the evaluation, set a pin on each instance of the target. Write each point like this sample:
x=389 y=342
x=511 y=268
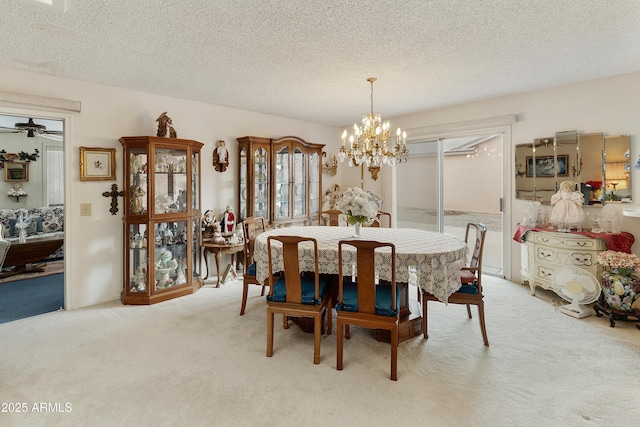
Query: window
x=54 y=182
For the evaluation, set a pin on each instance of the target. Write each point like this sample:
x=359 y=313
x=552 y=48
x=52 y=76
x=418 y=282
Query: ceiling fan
x=32 y=129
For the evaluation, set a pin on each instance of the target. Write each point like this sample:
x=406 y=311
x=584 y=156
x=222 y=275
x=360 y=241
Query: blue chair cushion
x=308 y=289
x=383 y=299
x=251 y=269
x=468 y=289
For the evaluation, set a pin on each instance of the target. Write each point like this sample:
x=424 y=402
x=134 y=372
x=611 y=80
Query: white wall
x=94 y=261
x=607 y=105
x=36 y=196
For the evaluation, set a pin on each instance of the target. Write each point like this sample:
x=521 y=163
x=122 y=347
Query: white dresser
x=544 y=252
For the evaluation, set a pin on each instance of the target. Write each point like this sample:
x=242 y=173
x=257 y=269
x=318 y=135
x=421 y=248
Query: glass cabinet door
x=243 y=183
x=299 y=182
x=170 y=254
x=314 y=183
x=282 y=185
x=195 y=247
x=138 y=258
x=261 y=186
x=138 y=182
x=170 y=181
x=195 y=180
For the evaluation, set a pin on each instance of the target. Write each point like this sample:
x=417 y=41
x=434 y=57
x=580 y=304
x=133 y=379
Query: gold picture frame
x=16 y=172
x=97 y=164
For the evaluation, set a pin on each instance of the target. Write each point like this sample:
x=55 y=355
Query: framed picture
x=545 y=166
x=97 y=164
x=16 y=172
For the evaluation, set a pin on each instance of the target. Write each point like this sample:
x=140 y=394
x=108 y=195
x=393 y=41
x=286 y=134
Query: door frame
x=492 y=125
x=66 y=127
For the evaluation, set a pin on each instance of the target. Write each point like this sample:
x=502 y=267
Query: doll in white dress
x=567 y=203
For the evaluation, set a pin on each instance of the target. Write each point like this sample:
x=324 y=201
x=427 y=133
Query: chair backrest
x=250 y=228
x=378 y=222
x=334 y=217
x=366 y=274
x=477 y=232
x=291 y=266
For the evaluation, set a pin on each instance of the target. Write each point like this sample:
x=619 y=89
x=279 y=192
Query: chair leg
x=245 y=291
x=317 y=334
x=285 y=322
x=339 y=342
x=482 y=325
x=469 y=310
x=329 y=319
x=394 y=353
x=269 y=333
x=262 y=293
x=425 y=335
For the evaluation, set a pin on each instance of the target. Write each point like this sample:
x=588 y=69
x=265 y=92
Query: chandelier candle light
x=368 y=143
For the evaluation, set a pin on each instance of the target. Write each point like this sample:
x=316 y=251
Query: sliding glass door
x=449 y=182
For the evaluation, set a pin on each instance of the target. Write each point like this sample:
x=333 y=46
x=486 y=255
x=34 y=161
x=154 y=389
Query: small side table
x=219 y=249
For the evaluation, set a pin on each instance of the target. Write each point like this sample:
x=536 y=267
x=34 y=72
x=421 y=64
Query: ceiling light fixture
x=368 y=143
x=31 y=128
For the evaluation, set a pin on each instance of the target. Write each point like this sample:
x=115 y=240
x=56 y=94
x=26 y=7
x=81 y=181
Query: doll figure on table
x=217 y=234
x=567 y=211
x=228 y=221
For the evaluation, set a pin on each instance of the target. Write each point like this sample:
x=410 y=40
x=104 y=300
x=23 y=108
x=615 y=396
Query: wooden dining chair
x=378 y=221
x=470 y=293
x=365 y=304
x=296 y=294
x=333 y=217
x=251 y=226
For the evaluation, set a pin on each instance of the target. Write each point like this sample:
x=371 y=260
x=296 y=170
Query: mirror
x=543 y=165
x=617 y=168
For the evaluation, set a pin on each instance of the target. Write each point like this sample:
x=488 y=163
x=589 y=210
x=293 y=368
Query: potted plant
x=620 y=280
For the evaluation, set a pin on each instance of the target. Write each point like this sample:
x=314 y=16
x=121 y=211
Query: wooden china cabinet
x=162 y=232
x=280 y=179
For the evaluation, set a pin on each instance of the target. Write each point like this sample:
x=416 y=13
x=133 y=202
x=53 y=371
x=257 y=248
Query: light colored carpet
x=194 y=361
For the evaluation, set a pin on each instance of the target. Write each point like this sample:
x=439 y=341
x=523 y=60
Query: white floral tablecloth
x=434 y=258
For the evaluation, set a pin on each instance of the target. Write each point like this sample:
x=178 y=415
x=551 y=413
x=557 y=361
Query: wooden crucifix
x=114 y=193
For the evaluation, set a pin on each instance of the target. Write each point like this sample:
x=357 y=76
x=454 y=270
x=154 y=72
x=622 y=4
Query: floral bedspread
x=433 y=260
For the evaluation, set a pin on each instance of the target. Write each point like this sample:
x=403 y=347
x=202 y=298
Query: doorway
x=35 y=203
x=451 y=181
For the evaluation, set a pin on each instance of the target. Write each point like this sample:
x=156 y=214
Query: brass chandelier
x=368 y=145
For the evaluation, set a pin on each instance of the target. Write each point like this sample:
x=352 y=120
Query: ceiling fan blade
x=54 y=137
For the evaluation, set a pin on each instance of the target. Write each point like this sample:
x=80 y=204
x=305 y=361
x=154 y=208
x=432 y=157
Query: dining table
x=427 y=259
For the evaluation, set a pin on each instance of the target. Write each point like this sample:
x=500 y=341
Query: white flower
x=360 y=206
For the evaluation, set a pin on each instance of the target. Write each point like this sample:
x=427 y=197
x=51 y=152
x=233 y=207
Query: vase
x=621 y=291
x=357 y=229
x=22 y=235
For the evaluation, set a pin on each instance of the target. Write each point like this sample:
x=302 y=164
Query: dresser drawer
x=566 y=240
x=574 y=258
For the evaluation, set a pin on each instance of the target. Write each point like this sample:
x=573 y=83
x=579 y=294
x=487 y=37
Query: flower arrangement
x=621 y=280
x=360 y=206
x=619 y=262
x=595 y=185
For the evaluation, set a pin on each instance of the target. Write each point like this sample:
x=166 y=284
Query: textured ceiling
x=310 y=59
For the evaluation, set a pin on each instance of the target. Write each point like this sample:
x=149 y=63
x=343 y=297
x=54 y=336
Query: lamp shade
x=616 y=174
